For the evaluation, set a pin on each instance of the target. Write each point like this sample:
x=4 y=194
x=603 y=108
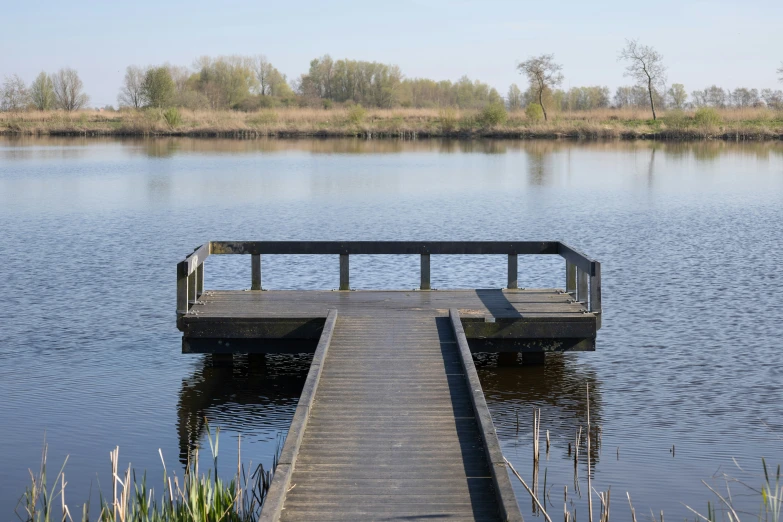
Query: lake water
x=689 y=236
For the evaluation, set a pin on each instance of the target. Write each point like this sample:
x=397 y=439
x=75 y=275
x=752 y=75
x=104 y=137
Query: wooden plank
x=385 y=247
x=505 y=493
x=571 y=279
x=576 y=258
x=273 y=504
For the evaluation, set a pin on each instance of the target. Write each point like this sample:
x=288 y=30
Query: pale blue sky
x=703 y=42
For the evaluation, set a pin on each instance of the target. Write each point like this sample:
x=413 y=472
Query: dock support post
x=595 y=294
x=255 y=269
x=345 y=283
x=508 y=359
x=222 y=359
x=256 y=362
x=571 y=279
x=533 y=358
x=581 y=284
x=513 y=267
x=425 y=272
x=199 y=280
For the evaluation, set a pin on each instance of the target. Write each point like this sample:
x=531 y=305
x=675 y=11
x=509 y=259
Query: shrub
x=447 y=119
x=494 y=114
x=356 y=114
x=675 y=119
x=327 y=104
x=707 y=117
x=264 y=118
x=172 y=117
x=534 y=112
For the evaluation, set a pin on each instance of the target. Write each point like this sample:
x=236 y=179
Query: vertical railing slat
x=571 y=278
x=513 y=271
x=581 y=286
x=182 y=288
x=255 y=271
x=595 y=294
x=345 y=283
x=425 y=272
x=200 y=284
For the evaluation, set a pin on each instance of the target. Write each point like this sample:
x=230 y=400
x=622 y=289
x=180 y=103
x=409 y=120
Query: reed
x=405 y=123
x=192 y=497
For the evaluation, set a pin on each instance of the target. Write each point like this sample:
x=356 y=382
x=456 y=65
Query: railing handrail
x=581 y=270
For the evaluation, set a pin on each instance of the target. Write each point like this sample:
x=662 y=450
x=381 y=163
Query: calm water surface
x=689 y=237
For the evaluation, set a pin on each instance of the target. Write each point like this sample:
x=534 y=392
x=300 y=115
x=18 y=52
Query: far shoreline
x=755 y=124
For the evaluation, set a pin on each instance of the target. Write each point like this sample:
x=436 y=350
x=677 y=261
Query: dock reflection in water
x=558 y=388
x=243 y=398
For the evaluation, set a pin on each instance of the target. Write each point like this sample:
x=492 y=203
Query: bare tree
x=262 y=69
x=14 y=95
x=42 y=92
x=132 y=90
x=68 y=90
x=645 y=65
x=543 y=73
x=780 y=72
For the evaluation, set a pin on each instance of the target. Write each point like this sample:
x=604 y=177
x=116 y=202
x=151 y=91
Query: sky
x=731 y=44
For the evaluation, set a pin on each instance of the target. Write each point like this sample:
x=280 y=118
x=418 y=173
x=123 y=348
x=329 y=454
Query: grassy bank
x=726 y=124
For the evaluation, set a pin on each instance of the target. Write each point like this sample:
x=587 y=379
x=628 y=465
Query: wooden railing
x=583 y=275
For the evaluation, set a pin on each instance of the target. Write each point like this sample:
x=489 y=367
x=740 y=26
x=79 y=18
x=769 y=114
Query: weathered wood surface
x=393 y=431
x=546 y=314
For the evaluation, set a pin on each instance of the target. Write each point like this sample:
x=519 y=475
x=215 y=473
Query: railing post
x=344 y=273
x=571 y=279
x=595 y=294
x=425 y=272
x=200 y=284
x=192 y=285
x=581 y=286
x=513 y=267
x=255 y=271
x=182 y=288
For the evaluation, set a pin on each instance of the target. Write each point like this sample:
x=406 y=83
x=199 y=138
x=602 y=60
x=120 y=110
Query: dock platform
x=392 y=422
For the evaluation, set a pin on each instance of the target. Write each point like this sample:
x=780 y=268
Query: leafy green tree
x=158 y=88
x=543 y=74
x=42 y=92
x=677 y=95
x=514 y=98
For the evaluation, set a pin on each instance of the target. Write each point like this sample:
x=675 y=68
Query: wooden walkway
x=392 y=423
x=392 y=432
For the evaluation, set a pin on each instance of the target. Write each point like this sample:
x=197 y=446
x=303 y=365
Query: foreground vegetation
x=193 y=497
x=494 y=121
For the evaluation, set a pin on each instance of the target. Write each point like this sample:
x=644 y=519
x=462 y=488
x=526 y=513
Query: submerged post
x=425 y=272
x=344 y=273
x=513 y=266
x=255 y=269
x=571 y=278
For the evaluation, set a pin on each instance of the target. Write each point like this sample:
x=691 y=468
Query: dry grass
x=750 y=123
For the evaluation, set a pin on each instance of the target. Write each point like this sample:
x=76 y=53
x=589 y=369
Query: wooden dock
x=392 y=422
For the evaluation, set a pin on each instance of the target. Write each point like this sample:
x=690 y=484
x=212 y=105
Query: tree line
x=251 y=82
